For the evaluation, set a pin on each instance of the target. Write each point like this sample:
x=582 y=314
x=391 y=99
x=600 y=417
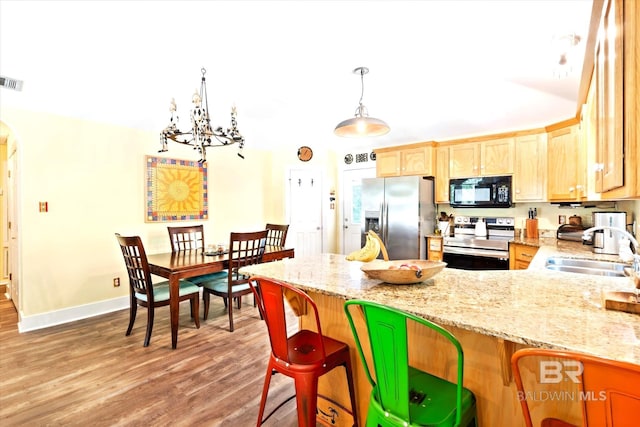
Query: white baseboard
x=71 y=314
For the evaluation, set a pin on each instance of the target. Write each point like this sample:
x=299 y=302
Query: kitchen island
x=492 y=313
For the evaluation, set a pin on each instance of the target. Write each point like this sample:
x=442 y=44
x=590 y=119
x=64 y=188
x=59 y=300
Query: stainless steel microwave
x=480 y=192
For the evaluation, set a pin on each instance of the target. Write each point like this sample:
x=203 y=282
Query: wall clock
x=305 y=153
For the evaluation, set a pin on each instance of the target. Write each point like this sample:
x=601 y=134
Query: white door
x=305 y=209
x=351 y=207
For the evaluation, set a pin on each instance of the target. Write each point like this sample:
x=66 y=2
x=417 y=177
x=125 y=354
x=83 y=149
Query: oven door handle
x=476 y=252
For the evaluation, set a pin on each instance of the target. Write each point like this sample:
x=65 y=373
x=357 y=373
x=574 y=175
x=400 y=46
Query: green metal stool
x=403 y=395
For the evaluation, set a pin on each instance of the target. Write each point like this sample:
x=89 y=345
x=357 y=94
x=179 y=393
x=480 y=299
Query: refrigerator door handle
x=385 y=223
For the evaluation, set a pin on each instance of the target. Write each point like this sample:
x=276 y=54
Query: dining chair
x=304 y=355
x=603 y=392
x=277 y=234
x=402 y=394
x=144 y=292
x=244 y=249
x=191 y=237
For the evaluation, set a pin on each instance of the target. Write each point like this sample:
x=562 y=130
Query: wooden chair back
x=277 y=234
x=244 y=249
x=186 y=238
x=590 y=391
x=135 y=260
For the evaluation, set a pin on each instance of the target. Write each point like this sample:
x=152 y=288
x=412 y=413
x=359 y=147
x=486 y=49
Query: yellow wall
x=92 y=176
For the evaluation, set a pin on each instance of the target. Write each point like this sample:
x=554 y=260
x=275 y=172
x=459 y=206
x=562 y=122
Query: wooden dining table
x=184 y=264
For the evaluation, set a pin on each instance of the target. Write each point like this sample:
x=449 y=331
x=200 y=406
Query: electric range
x=488 y=251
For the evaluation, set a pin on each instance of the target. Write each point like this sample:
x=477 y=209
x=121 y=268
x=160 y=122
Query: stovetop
x=491 y=242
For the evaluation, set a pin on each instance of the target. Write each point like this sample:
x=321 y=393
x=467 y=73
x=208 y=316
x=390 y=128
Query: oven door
x=475 y=259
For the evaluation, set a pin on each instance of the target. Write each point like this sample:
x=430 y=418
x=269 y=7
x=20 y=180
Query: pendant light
x=361 y=125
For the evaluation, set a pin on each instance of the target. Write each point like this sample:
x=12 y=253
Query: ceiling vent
x=11 y=83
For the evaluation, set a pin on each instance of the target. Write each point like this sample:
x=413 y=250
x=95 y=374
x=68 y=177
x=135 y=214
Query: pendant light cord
x=362 y=84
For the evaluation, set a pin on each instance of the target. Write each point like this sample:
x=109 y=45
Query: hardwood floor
x=89 y=373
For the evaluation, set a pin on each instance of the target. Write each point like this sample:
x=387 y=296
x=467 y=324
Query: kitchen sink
x=586 y=266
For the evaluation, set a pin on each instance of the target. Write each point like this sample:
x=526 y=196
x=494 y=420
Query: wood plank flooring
x=89 y=373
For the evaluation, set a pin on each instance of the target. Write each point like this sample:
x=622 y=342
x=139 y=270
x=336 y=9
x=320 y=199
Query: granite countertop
x=536 y=307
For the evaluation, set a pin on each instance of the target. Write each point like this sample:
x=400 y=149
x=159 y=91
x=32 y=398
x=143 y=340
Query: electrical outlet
x=116 y=282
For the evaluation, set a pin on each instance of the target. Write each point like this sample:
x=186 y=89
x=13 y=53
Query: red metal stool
x=304 y=356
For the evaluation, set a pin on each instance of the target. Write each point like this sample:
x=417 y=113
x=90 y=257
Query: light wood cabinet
x=608 y=77
x=405 y=162
x=566 y=176
x=520 y=256
x=434 y=248
x=493 y=157
x=530 y=166
x=616 y=79
x=442 y=175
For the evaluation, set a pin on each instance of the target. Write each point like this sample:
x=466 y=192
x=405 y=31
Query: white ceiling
x=438 y=69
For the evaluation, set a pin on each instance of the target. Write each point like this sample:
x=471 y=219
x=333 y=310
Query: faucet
x=587 y=234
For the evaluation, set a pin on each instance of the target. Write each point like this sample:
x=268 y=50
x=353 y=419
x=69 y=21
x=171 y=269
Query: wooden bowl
x=389 y=271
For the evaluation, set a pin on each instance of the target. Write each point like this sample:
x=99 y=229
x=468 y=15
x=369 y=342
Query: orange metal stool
x=607 y=391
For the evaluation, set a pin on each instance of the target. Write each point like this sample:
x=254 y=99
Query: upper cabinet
x=442 y=175
x=609 y=100
x=530 y=177
x=414 y=160
x=493 y=157
x=565 y=165
x=617 y=110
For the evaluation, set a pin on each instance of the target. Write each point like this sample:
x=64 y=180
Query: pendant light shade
x=361 y=125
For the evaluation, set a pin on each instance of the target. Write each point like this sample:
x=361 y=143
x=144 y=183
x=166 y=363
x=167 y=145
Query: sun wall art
x=176 y=190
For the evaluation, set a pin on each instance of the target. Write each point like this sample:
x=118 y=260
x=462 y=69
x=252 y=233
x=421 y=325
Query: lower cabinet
x=520 y=256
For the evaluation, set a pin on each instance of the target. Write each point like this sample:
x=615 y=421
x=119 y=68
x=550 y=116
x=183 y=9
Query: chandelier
x=202 y=135
x=361 y=124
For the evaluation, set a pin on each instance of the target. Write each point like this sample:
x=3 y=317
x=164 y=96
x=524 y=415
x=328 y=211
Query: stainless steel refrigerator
x=401 y=211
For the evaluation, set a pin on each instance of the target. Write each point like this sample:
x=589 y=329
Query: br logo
x=553 y=371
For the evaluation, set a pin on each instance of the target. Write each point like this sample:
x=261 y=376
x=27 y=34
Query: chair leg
x=150 y=313
x=352 y=390
x=265 y=391
x=230 y=314
x=195 y=310
x=306 y=399
x=206 y=298
x=239 y=302
x=132 y=314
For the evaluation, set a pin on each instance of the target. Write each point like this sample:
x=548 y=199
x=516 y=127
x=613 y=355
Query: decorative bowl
x=403 y=272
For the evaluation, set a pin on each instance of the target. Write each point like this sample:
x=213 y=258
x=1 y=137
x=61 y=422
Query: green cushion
x=222 y=285
x=198 y=280
x=161 y=290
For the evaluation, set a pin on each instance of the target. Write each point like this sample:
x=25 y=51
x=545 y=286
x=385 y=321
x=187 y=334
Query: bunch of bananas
x=369 y=251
